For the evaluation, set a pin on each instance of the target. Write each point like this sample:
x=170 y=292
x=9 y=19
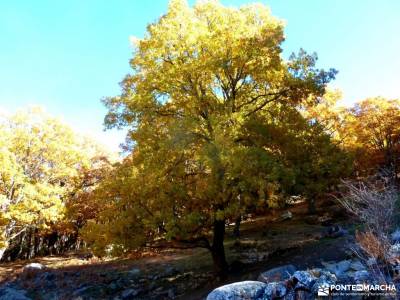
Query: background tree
x=40 y=163
x=198 y=76
x=374 y=135
x=80 y=205
x=328 y=114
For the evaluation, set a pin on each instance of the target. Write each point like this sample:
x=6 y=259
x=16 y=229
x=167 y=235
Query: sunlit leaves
x=41 y=160
x=200 y=77
x=373 y=133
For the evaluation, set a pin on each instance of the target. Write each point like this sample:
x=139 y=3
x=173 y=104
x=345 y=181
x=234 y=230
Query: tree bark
x=236 y=229
x=218 y=250
x=311 y=206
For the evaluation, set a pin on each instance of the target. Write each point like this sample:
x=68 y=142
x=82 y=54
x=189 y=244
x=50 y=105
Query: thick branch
x=200 y=242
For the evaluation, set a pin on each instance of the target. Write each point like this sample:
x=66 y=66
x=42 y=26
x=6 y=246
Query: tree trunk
x=218 y=250
x=236 y=229
x=36 y=242
x=2 y=250
x=311 y=206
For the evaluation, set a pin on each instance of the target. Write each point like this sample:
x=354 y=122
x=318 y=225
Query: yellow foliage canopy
x=40 y=164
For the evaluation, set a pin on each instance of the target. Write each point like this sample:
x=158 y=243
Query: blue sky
x=67 y=55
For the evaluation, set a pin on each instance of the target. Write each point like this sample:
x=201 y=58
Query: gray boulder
x=170 y=271
x=303 y=295
x=362 y=277
x=395 y=236
x=316 y=272
x=287 y=215
x=336 y=231
x=244 y=290
x=275 y=290
x=328 y=275
x=371 y=262
x=305 y=280
x=135 y=272
x=11 y=293
x=80 y=290
x=291 y=295
x=394 y=250
x=346 y=278
x=34 y=267
x=356 y=265
x=129 y=293
x=46 y=280
x=325 y=279
x=277 y=274
x=171 y=293
x=338 y=268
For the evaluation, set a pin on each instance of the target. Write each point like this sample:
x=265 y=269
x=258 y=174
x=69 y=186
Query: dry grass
x=372 y=245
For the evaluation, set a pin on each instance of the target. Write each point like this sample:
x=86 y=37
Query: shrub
x=373 y=204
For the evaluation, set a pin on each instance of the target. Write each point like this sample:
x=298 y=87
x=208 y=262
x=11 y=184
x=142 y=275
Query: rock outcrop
x=285 y=282
x=277 y=274
x=9 y=292
x=239 y=290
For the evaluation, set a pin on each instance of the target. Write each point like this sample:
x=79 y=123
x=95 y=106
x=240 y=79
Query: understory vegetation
x=220 y=127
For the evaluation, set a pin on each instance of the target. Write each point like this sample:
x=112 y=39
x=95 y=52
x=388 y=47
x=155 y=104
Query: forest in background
x=220 y=126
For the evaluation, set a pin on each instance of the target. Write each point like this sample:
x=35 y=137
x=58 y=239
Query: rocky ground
x=286 y=282
x=265 y=243
x=356 y=277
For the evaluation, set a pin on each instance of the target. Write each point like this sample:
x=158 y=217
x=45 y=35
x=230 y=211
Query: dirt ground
x=265 y=243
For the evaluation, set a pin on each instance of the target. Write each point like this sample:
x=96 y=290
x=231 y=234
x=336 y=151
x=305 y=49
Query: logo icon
x=323 y=290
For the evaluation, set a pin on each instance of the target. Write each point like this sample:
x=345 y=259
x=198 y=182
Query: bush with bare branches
x=373 y=204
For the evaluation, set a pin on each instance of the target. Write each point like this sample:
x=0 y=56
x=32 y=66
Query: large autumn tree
x=198 y=76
